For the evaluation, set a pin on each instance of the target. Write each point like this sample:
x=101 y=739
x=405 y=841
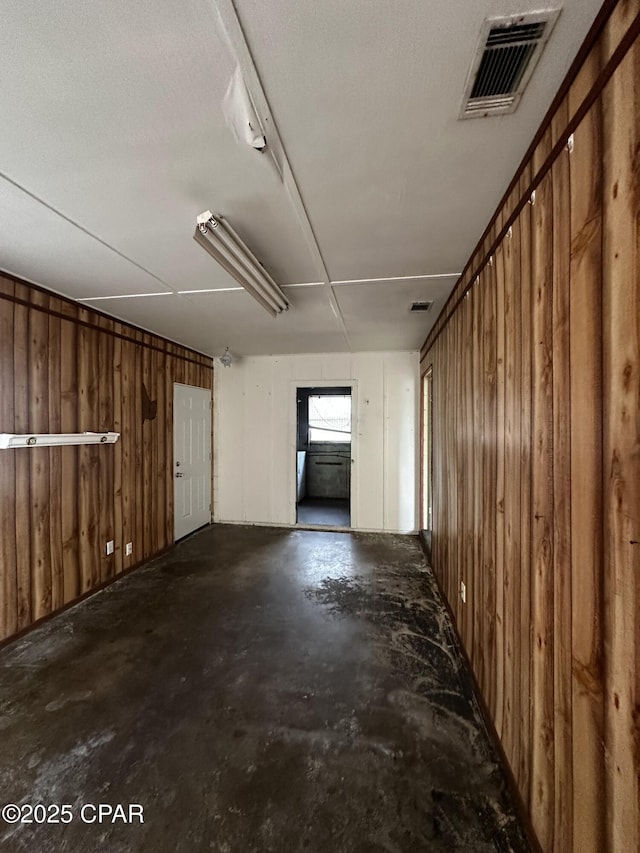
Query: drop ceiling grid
x=369 y=120
x=31 y=237
x=387 y=321
x=212 y=321
x=125 y=134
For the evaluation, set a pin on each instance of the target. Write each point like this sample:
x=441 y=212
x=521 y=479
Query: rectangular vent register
x=506 y=56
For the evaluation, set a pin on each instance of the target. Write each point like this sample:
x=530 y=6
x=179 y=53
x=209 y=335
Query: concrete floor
x=254 y=689
x=332 y=512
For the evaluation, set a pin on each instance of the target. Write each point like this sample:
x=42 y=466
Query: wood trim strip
x=98 y=328
x=594 y=93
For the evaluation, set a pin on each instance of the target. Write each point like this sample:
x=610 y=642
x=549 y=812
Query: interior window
x=330 y=419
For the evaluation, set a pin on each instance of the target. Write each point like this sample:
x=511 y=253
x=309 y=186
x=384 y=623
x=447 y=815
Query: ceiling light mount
x=244 y=120
x=226 y=359
x=217 y=237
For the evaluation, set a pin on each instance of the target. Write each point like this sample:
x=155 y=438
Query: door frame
x=293 y=441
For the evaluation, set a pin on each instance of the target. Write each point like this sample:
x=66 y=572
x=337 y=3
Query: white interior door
x=191 y=458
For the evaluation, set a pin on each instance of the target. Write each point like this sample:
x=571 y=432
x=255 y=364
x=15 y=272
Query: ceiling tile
x=213 y=321
x=377 y=314
x=366 y=95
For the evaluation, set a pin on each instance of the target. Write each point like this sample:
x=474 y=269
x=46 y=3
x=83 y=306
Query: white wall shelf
x=10 y=440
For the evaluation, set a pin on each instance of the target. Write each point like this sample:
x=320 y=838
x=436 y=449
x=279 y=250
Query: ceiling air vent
x=420 y=306
x=508 y=51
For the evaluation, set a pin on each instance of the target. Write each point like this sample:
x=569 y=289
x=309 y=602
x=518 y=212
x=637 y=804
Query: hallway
x=331 y=512
x=255 y=689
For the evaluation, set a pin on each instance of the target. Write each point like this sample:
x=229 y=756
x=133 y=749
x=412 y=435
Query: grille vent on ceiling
x=507 y=53
x=420 y=306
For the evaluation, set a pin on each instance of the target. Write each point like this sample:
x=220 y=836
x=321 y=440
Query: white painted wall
x=255 y=436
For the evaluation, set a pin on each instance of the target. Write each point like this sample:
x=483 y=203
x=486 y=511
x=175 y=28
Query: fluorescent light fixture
x=9 y=440
x=218 y=238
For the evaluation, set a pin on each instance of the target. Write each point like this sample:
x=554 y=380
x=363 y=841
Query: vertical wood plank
x=153 y=424
x=468 y=457
x=498 y=265
x=523 y=773
x=455 y=476
x=563 y=763
x=512 y=469
x=90 y=548
x=146 y=428
x=39 y=458
x=8 y=561
x=127 y=439
x=69 y=455
x=118 y=525
x=105 y=455
x=54 y=350
x=621 y=439
x=489 y=485
x=542 y=793
x=478 y=475
x=585 y=317
x=138 y=448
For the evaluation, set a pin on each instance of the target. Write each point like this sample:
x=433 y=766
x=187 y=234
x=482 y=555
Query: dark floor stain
x=255 y=690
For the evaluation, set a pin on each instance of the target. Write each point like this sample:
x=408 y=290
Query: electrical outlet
x=128 y=549
x=111 y=547
x=463 y=592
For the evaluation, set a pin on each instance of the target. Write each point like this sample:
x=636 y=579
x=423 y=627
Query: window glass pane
x=330 y=418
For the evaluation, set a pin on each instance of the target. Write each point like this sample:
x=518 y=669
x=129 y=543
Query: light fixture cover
x=219 y=239
x=241 y=115
x=226 y=359
x=242 y=118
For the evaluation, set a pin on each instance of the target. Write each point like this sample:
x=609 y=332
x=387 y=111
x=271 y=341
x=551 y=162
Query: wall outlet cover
x=128 y=549
x=111 y=547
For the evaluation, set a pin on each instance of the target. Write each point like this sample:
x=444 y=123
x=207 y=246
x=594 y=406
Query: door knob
x=179 y=474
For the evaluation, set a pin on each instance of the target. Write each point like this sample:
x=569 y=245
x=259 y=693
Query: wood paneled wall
x=64 y=368
x=536 y=431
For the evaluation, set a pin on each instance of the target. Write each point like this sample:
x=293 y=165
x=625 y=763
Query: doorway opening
x=323 y=456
